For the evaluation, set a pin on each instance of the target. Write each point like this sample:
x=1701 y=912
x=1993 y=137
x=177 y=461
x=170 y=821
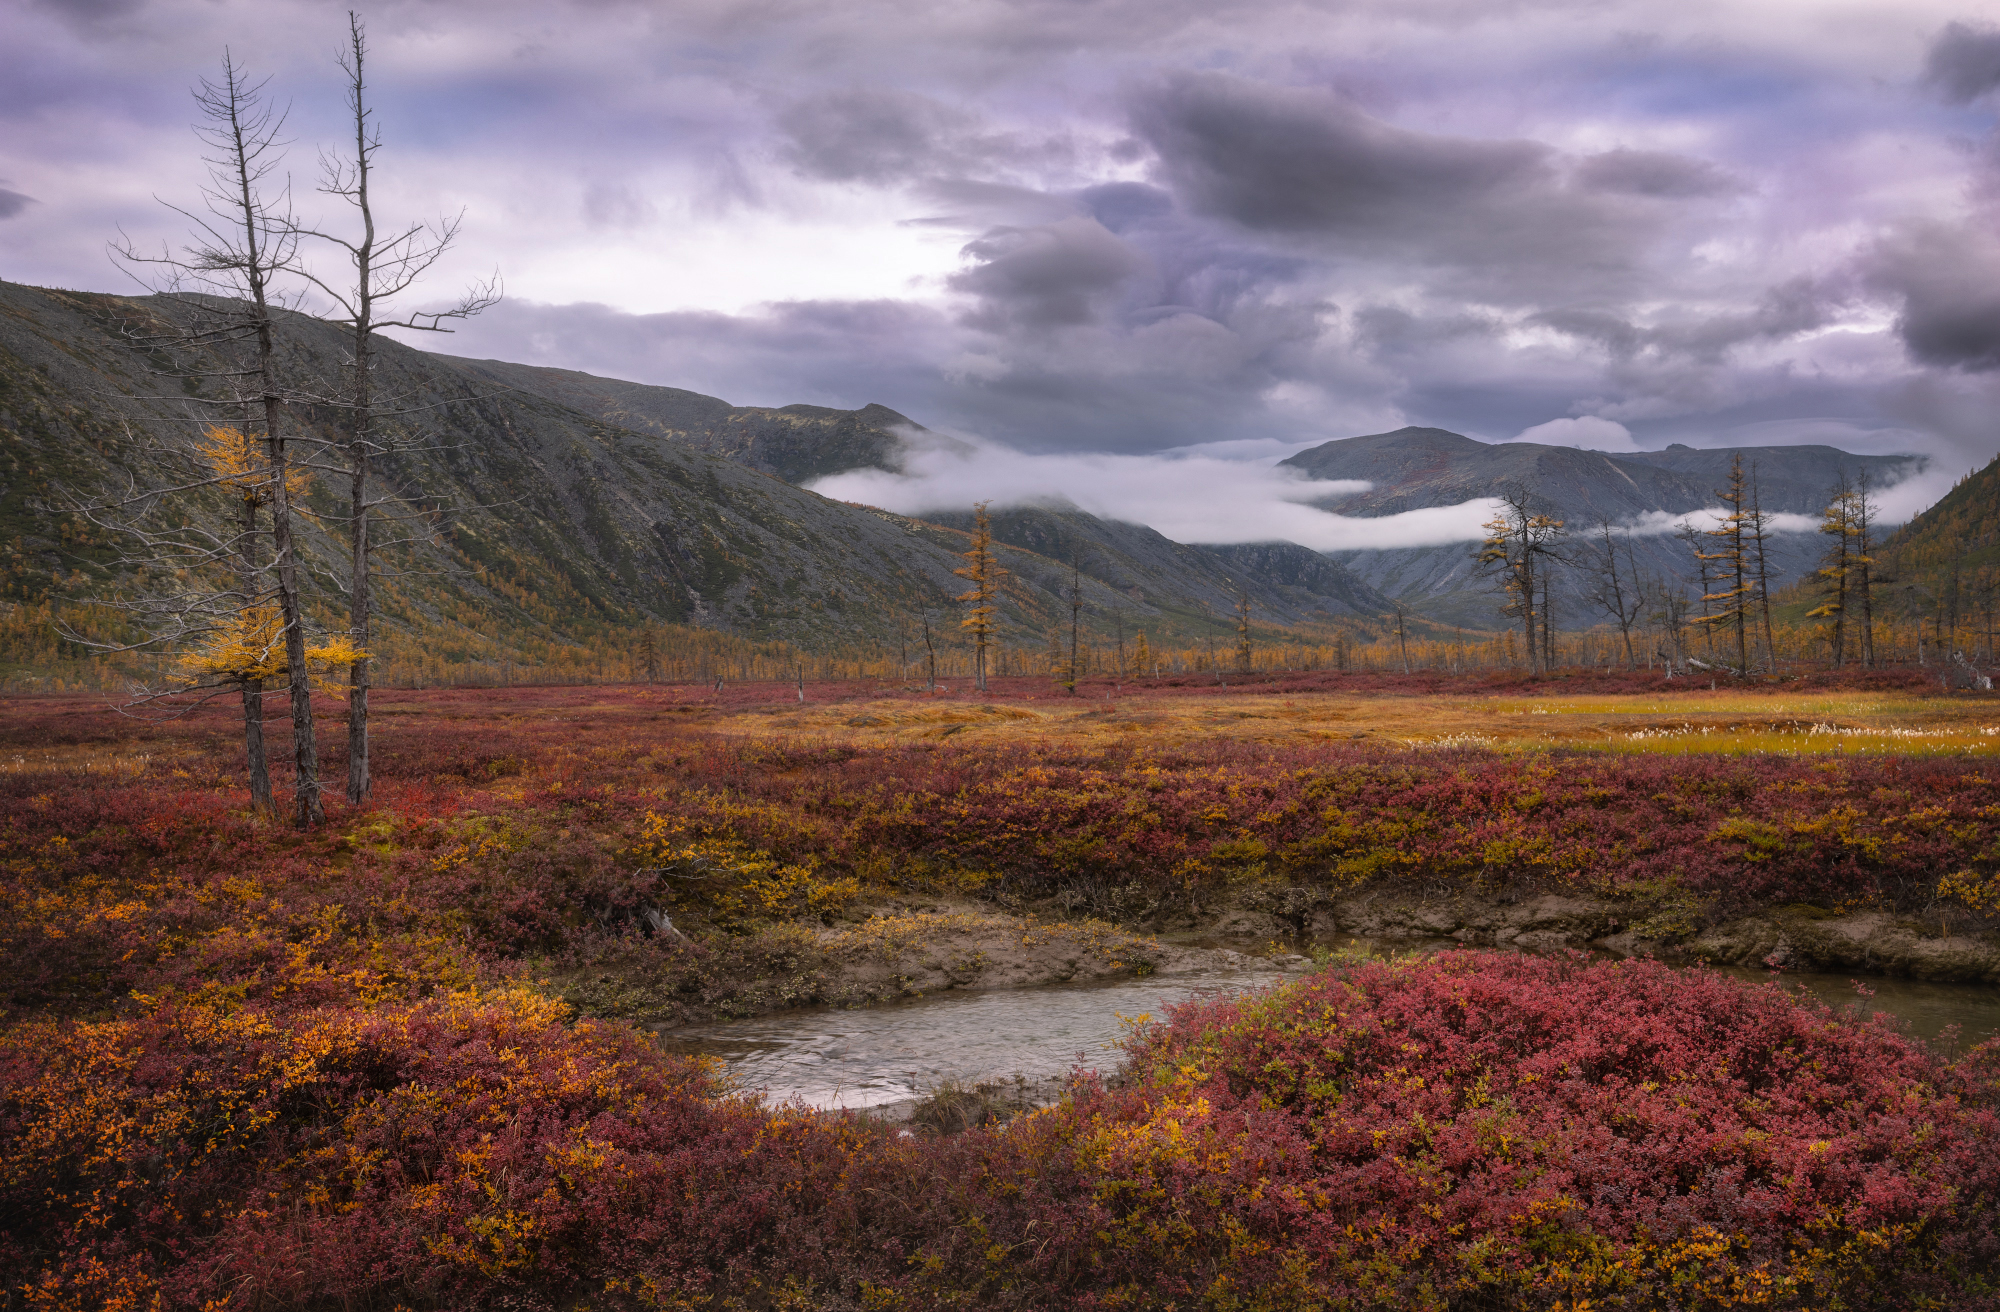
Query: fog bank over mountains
x=1400 y=512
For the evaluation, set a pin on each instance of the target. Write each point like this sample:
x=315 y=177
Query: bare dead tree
x=380 y=266
x=1523 y=543
x=1614 y=587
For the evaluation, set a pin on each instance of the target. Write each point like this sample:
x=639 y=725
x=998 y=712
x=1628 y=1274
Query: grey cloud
x=1964 y=62
x=1120 y=205
x=1170 y=381
x=1610 y=331
x=1787 y=310
x=869 y=134
x=972 y=203
x=1797 y=306
x=1655 y=173
x=1948 y=280
x=1498 y=214
x=878 y=135
x=839 y=353
x=616 y=205
x=1046 y=276
x=13 y=202
x=88 y=10
x=1390 y=330
x=1271 y=157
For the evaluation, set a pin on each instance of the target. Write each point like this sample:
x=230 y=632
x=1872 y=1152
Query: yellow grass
x=1695 y=721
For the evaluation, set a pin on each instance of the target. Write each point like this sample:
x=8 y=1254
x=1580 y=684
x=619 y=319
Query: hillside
x=1283 y=580
x=797 y=443
x=553 y=525
x=1964 y=526
x=1417 y=468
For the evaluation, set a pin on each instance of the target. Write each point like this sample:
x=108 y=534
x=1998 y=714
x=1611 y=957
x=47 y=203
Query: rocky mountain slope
x=797 y=443
x=1281 y=579
x=1416 y=468
x=549 y=520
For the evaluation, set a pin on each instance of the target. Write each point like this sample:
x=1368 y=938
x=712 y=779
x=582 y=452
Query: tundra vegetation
x=402 y=1059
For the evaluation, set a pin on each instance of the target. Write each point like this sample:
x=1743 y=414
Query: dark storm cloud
x=1045 y=276
x=1503 y=218
x=13 y=202
x=1948 y=280
x=1964 y=63
x=1291 y=160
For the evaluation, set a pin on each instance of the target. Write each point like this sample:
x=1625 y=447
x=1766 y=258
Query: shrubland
x=248 y=1066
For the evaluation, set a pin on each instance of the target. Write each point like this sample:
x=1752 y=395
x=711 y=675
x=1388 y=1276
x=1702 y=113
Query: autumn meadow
x=406 y=1059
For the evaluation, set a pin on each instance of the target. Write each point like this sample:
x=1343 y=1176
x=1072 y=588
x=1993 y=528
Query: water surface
x=879 y=1056
x=893 y=1054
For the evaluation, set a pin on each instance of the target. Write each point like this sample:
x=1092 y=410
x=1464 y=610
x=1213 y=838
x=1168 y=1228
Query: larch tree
x=982 y=570
x=228 y=284
x=1690 y=537
x=1142 y=655
x=1245 y=655
x=244 y=650
x=1758 y=534
x=1733 y=572
x=1862 y=591
x=380 y=266
x=1837 y=568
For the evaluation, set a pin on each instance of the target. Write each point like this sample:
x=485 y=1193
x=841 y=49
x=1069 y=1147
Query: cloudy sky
x=1118 y=236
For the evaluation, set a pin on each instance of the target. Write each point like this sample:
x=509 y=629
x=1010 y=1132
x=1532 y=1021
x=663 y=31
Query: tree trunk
x=358 y=783
x=253 y=745
x=308 y=809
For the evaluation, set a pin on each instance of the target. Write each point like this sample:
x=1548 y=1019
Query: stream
x=887 y=1057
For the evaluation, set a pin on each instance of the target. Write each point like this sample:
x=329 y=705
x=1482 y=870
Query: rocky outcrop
x=1538 y=924
x=1865 y=942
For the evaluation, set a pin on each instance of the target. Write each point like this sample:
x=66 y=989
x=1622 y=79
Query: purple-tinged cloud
x=1044 y=277
x=1964 y=62
x=1948 y=280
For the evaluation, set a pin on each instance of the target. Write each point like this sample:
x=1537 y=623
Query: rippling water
x=879 y=1056
x=876 y=1056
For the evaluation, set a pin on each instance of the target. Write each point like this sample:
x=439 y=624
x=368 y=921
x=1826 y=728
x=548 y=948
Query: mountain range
x=1418 y=468
x=564 y=507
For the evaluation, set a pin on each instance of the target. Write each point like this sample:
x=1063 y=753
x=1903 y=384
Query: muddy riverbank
x=1797 y=937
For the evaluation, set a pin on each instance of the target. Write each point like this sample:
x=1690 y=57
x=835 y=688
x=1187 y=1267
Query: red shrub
x=1493 y=1130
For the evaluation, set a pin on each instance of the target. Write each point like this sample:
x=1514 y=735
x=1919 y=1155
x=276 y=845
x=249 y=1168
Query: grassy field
x=1696 y=720
x=399 y=1060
